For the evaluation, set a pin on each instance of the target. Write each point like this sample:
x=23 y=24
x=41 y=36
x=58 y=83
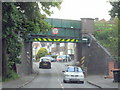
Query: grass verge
x=10 y=76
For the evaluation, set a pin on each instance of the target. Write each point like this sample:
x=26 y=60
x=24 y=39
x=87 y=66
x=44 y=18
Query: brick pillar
x=78 y=52
x=111 y=67
x=25 y=68
x=87 y=25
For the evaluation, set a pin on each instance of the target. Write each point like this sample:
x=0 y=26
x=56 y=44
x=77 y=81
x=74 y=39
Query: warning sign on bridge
x=55 y=31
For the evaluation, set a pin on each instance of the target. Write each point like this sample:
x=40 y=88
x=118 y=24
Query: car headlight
x=66 y=75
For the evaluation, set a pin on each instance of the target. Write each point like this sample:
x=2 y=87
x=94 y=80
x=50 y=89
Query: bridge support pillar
x=25 y=68
x=78 y=52
x=29 y=57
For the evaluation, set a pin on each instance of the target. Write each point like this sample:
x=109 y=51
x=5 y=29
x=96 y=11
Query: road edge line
x=27 y=82
x=95 y=84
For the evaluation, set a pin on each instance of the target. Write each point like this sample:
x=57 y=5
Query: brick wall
x=87 y=25
x=97 y=58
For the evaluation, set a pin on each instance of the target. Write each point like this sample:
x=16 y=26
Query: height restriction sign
x=55 y=31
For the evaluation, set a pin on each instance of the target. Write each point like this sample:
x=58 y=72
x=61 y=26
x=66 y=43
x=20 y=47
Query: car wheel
x=64 y=81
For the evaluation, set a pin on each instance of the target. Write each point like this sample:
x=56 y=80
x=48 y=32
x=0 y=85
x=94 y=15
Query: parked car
x=45 y=62
x=63 y=58
x=73 y=73
x=33 y=59
x=51 y=59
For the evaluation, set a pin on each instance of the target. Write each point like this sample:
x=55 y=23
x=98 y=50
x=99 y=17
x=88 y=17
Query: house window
x=62 y=44
x=53 y=45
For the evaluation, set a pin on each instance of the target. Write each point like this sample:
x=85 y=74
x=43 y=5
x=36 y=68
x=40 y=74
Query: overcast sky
x=76 y=9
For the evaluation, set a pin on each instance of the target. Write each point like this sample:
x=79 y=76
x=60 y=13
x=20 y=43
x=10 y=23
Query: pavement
x=18 y=83
x=22 y=81
x=101 y=82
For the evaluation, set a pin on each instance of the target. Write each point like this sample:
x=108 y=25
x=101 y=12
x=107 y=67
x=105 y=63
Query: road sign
x=55 y=31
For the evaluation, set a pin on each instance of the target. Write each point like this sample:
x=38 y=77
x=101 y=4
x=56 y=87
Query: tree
x=115 y=12
x=10 y=40
x=41 y=53
x=20 y=19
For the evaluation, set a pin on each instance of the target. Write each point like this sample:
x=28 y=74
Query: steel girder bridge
x=63 y=31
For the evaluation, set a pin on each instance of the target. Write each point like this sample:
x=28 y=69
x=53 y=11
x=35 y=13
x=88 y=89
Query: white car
x=73 y=73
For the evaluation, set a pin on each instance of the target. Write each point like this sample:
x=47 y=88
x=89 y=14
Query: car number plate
x=74 y=79
x=44 y=64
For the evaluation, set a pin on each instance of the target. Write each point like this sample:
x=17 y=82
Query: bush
x=41 y=53
x=10 y=76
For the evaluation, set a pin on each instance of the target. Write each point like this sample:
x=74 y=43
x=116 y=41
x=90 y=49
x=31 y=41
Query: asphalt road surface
x=53 y=78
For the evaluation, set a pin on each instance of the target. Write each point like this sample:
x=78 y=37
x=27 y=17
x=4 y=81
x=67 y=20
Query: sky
x=76 y=9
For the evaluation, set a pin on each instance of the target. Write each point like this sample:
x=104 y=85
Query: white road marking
x=58 y=78
x=60 y=83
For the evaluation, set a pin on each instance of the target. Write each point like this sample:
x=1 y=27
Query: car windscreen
x=74 y=69
x=44 y=60
x=61 y=56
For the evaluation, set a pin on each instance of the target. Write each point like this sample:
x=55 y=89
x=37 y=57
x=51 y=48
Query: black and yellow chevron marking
x=82 y=60
x=55 y=40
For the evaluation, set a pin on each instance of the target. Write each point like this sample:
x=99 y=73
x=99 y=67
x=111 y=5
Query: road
x=53 y=78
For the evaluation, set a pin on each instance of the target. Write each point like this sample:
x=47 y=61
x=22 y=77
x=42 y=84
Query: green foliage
x=11 y=76
x=20 y=20
x=109 y=39
x=102 y=35
x=45 y=6
x=10 y=32
x=119 y=40
x=115 y=11
x=41 y=53
x=103 y=25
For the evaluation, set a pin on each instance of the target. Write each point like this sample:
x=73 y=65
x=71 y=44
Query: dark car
x=45 y=62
